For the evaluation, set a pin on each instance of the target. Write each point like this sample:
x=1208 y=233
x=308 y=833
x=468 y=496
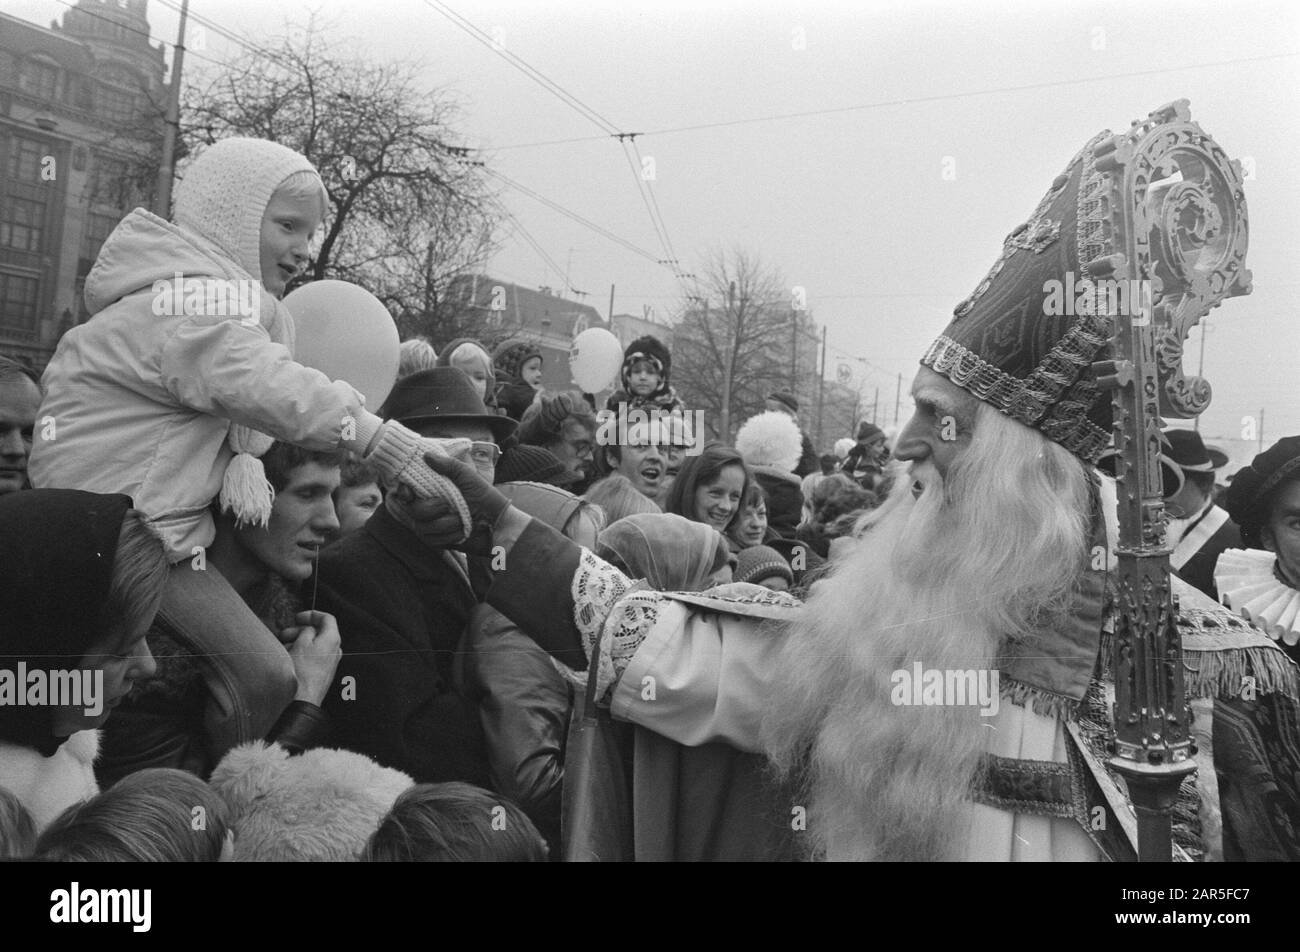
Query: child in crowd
x=763 y=565
x=645 y=378
x=416 y=354
x=454 y=823
x=519 y=366
x=358 y=495
x=17 y=828
x=157 y=815
x=184 y=375
x=469 y=357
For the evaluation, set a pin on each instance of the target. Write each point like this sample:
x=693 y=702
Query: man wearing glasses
x=404 y=607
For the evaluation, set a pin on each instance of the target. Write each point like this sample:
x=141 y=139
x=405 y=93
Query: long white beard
x=944 y=580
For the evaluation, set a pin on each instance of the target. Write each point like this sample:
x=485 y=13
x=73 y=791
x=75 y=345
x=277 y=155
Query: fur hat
x=225 y=193
x=509 y=357
x=647 y=347
x=842 y=447
x=770 y=439
x=320 y=806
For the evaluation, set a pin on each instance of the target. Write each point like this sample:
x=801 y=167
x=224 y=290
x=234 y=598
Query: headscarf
x=672 y=553
x=57 y=548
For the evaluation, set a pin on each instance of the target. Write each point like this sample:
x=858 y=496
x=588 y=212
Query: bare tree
x=729 y=350
x=409 y=208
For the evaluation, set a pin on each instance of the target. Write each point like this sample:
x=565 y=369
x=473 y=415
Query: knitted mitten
x=398 y=454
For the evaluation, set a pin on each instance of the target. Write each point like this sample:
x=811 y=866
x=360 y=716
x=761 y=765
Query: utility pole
x=611 y=304
x=821 y=390
x=727 y=364
x=898 y=398
x=428 y=285
x=162 y=204
x=794 y=350
x=875 y=404
x=1261 y=429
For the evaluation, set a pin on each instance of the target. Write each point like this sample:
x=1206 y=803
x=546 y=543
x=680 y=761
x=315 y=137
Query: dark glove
x=436 y=520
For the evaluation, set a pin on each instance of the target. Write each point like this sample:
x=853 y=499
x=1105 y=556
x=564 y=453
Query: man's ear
x=1267 y=540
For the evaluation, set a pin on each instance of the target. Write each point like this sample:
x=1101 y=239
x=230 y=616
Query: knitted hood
x=144 y=248
x=225 y=193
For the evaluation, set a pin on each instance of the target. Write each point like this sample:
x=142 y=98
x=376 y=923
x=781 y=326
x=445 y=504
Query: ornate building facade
x=81 y=113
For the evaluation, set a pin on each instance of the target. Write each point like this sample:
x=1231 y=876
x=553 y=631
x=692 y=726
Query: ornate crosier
x=1169 y=204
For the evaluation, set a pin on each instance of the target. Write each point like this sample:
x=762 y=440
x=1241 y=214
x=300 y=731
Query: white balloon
x=595 y=359
x=347 y=334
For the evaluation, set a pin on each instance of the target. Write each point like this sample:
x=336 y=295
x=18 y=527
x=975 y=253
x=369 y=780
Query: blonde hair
x=17 y=828
x=416 y=354
x=305 y=183
x=140 y=571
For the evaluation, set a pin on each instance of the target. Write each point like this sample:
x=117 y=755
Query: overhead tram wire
x=913 y=100
x=587 y=112
x=672 y=252
x=555 y=206
x=535 y=75
x=670 y=259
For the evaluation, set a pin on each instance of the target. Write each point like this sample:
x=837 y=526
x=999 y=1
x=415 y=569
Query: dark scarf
x=56 y=560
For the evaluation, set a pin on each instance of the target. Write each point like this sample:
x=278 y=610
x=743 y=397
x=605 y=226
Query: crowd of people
x=307 y=629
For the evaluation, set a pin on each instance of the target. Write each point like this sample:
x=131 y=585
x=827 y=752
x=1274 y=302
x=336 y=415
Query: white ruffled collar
x=1248 y=586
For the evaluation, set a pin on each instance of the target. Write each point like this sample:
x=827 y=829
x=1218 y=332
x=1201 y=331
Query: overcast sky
x=851 y=204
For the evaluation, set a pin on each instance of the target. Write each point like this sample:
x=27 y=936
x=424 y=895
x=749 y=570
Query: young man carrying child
x=185 y=373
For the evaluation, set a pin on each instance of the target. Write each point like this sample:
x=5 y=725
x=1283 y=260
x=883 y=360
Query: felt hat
x=785 y=397
x=1187 y=450
x=443 y=394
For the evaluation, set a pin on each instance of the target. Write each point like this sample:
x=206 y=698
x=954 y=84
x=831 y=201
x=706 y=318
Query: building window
x=20 y=224
x=25 y=157
x=116 y=105
x=112 y=184
x=98 y=228
x=18 y=302
x=39 y=79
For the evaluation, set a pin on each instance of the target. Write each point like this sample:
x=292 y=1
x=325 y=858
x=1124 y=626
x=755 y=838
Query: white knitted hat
x=225 y=193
